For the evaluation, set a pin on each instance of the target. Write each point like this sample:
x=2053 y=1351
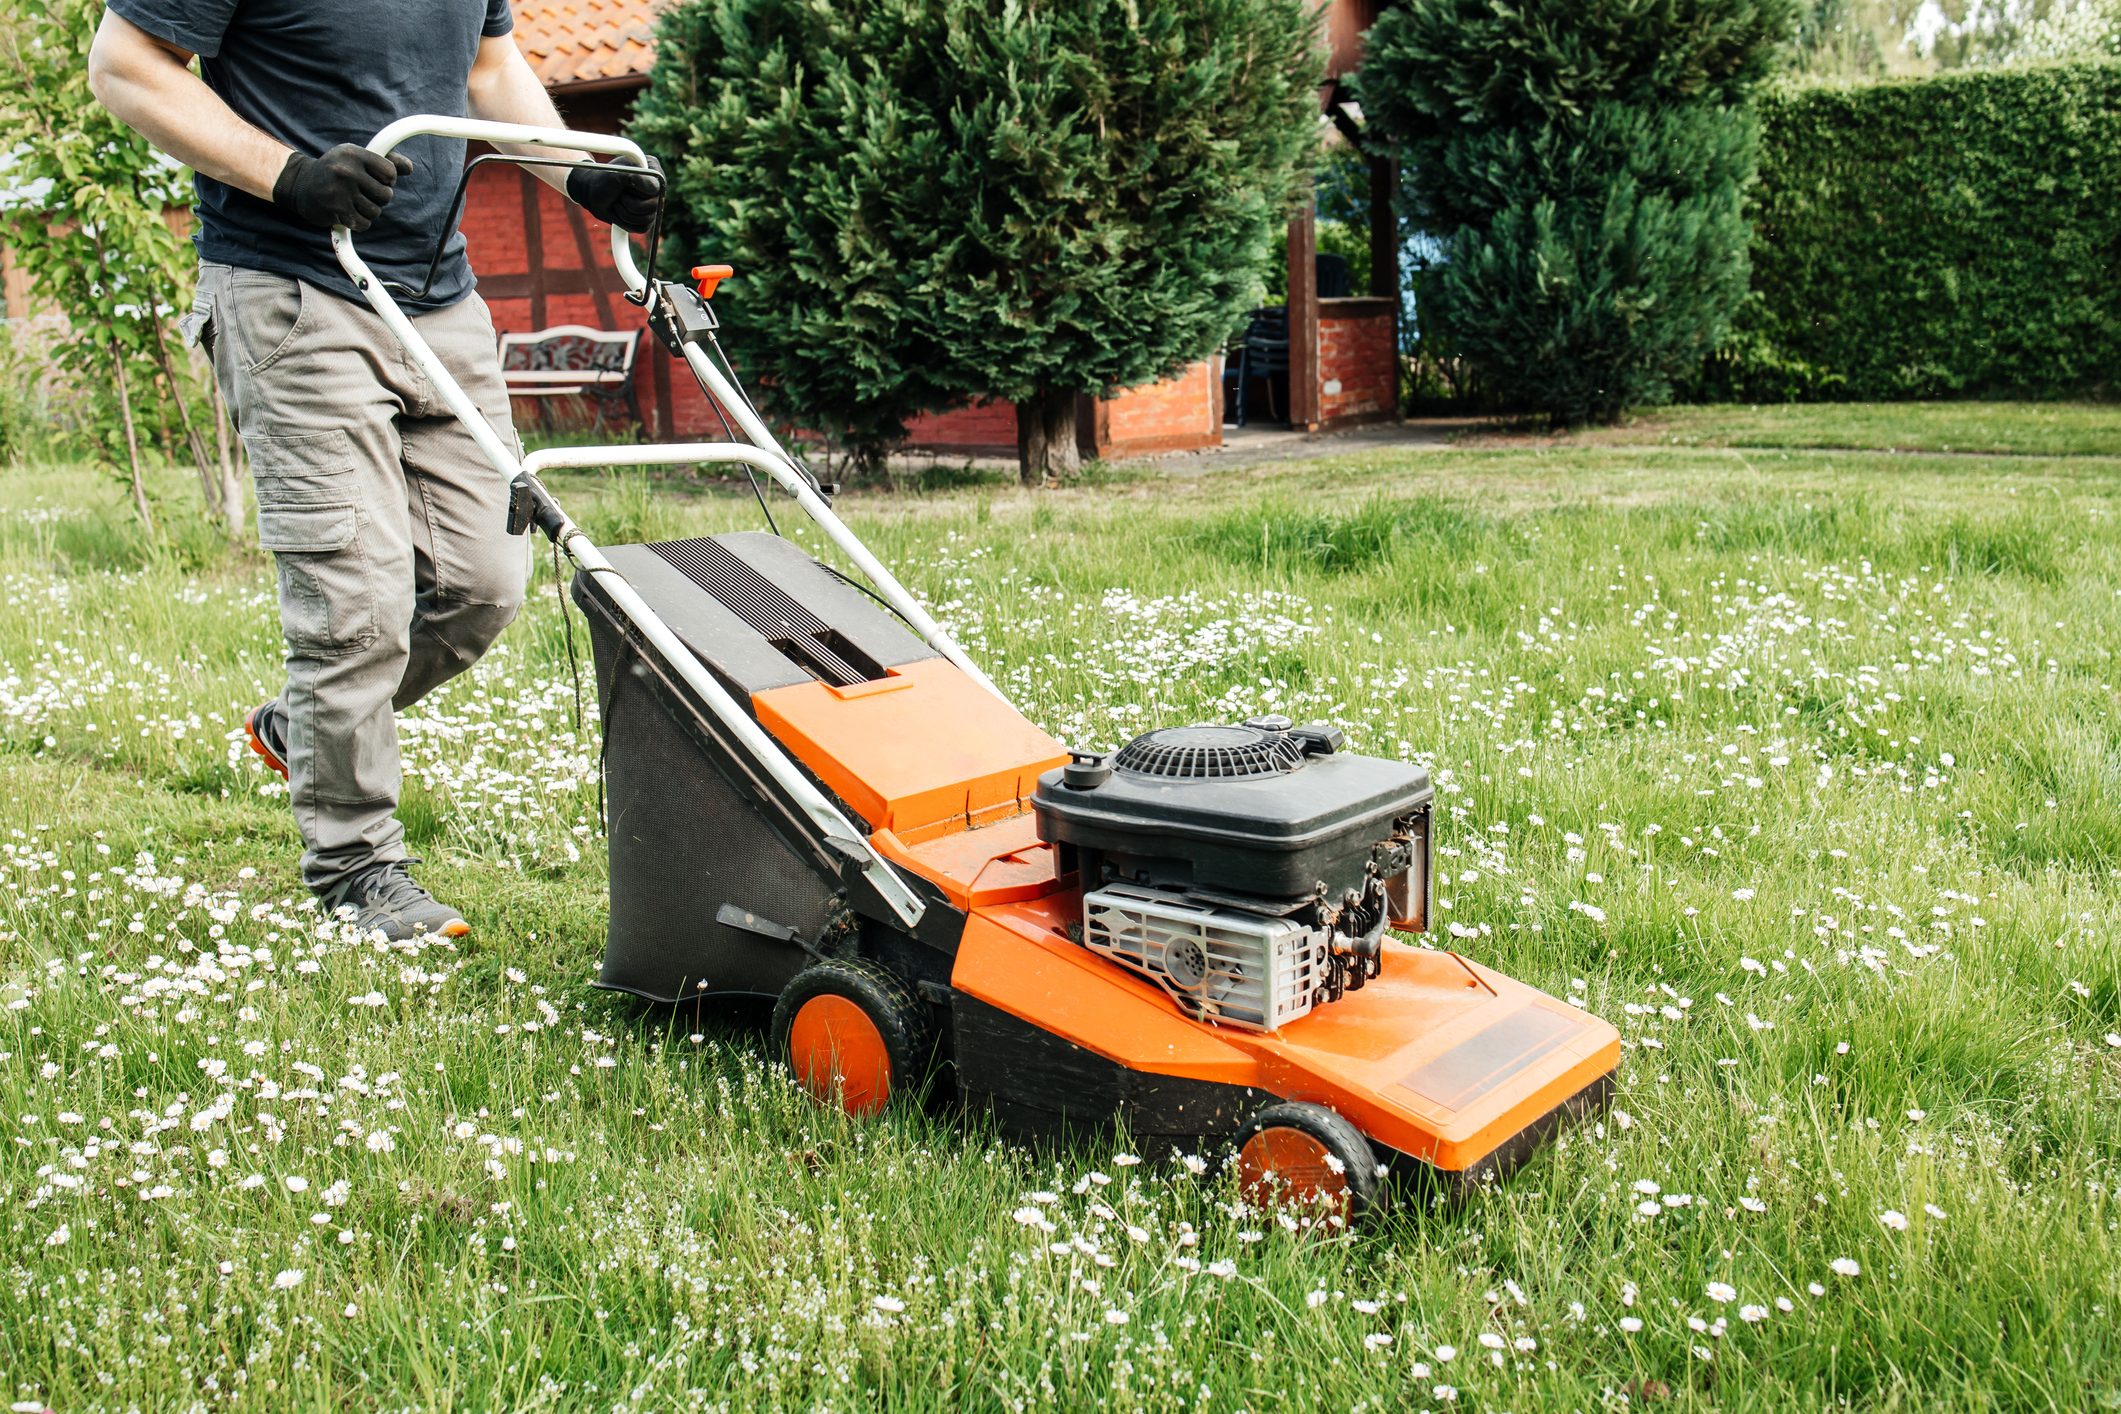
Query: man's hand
x=348 y=186
x=628 y=200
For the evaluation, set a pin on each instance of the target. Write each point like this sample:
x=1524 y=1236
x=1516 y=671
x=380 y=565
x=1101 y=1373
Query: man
x=387 y=524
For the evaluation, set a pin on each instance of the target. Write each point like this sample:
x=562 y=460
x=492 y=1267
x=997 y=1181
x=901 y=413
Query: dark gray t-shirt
x=314 y=74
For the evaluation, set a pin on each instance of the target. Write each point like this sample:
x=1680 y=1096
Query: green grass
x=1802 y=766
x=2069 y=429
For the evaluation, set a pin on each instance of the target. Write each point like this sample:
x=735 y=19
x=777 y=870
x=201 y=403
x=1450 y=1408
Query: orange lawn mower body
x=1070 y=960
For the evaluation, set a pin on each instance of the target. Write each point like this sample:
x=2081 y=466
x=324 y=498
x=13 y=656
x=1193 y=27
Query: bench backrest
x=570 y=348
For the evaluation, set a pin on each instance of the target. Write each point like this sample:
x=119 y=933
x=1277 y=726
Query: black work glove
x=628 y=200
x=348 y=186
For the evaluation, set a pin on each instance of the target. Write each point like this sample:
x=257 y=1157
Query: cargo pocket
x=309 y=516
x=305 y=529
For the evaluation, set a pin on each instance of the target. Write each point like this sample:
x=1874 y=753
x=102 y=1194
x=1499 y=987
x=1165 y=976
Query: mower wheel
x=853 y=1034
x=1299 y=1155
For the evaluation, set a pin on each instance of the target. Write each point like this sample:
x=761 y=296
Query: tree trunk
x=132 y=438
x=1045 y=438
x=209 y=487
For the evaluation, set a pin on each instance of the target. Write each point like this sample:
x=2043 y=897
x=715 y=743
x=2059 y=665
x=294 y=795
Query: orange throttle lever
x=708 y=278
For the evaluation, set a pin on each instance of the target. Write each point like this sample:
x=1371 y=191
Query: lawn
x=2034 y=429
x=1801 y=766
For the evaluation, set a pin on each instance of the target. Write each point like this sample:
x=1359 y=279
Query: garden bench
x=574 y=361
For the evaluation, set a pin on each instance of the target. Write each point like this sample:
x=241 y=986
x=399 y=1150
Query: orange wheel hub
x=1283 y=1166
x=839 y=1054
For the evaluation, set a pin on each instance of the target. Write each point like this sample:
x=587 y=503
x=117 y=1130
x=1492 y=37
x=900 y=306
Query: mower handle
x=492 y=444
x=479 y=130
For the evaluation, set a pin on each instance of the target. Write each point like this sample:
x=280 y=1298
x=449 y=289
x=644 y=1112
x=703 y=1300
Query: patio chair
x=1263 y=354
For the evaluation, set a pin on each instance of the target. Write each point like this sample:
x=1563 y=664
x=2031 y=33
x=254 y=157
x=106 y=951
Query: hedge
x=1953 y=236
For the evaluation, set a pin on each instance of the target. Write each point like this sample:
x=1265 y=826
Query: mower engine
x=1249 y=871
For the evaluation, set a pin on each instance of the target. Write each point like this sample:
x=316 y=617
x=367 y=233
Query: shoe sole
x=272 y=759
x=454 y=928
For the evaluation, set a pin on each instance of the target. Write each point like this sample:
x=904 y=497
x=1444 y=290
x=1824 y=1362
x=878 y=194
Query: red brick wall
x=571 y=279
x=987 y=429
x=1182 y=414
x=562 y=287
x=15 y=300
x=1358 y=371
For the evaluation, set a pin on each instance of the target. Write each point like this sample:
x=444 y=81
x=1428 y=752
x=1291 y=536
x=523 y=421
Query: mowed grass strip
x=1802 y=768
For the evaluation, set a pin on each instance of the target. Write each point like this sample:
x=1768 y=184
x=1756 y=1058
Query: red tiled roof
x=610 y=41
x=587 y=41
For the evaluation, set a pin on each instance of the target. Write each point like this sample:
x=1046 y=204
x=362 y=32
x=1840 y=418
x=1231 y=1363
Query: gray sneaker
x=384 y=899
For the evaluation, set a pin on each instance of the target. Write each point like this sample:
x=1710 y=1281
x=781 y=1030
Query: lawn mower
x=814 y=795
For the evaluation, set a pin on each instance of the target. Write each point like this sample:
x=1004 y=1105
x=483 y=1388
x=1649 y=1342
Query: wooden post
x=665 y=419
x=533 y=246
x=591 y=271
x=1303 y=319
x=1384 y=228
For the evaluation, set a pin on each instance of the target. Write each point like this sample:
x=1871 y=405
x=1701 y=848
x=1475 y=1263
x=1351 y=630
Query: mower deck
x=1437 y=1058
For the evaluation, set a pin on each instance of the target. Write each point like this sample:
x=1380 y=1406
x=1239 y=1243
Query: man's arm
x=147 y=85
x=504 y=89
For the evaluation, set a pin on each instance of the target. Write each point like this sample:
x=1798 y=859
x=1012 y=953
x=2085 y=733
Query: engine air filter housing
x=1211 y=753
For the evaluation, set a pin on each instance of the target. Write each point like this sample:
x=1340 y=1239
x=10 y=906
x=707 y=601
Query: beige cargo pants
x=387 y=524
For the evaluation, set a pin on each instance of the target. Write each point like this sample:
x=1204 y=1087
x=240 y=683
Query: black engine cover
x=1231 y=810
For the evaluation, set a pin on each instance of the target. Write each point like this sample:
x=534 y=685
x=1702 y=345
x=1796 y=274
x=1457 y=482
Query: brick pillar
x=1303 y=318
x=533 y=246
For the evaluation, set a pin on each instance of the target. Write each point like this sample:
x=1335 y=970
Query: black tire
x=903 y=1030
x=1336 y=1140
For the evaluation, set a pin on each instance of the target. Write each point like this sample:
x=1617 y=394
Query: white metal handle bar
x=490 y=443
x=780 y=467
x=479 y=130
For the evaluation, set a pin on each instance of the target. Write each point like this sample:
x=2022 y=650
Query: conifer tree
x=929 y=201
x=1583 y=164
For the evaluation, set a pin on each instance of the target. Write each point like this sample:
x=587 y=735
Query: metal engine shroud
x=1248 y=870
